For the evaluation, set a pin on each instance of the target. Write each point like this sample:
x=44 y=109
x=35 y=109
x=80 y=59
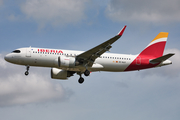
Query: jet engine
x=65 y=62
x=60 y=74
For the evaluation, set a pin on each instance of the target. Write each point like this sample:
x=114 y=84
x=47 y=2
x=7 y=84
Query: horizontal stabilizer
x=161 y=59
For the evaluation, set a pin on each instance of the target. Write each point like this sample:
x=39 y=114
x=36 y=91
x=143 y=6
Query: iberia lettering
x=50 y=51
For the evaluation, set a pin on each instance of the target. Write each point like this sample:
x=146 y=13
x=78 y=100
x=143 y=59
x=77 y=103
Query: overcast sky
x=151 y=94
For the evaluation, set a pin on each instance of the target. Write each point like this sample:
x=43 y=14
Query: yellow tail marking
x=161 y=35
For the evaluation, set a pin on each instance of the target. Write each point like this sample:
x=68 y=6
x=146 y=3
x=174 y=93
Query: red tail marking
x=155 y=50
x=151 y=52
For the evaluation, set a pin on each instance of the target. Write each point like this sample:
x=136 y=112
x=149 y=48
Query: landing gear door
x=28 y=52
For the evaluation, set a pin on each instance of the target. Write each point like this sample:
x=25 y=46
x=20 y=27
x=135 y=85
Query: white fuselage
x=42 y=57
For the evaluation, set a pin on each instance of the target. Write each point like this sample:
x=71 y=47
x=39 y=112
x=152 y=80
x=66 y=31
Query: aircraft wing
x=87 y=58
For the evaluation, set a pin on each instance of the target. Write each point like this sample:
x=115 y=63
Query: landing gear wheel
x=86 y=73
x=81 y=80
x=26 y=73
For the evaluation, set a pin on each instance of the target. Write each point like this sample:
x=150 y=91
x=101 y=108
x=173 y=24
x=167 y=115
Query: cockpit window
x=16 y=51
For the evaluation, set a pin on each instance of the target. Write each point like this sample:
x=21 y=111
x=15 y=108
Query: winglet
x=122 y=31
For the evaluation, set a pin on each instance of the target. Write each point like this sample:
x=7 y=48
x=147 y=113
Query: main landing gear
x=27 y=72
x=81 y=79
x=87 y=72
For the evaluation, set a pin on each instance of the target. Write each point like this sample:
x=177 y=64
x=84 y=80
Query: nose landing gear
x=27 y=68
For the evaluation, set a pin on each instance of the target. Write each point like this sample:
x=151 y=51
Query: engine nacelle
x=66 y=62
x=60 y=74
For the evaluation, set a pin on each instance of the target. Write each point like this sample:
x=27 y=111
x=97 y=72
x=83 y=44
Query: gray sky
x=81 y=25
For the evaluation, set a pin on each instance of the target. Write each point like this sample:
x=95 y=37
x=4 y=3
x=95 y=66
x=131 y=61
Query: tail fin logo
x=161 y=37
x=156 y=46
x=152 y=53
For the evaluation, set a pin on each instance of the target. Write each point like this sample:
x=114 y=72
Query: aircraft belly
x=114 y=65
x=38 y=61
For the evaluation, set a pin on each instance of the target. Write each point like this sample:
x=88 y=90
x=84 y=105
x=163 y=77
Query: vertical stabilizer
x=156 y=46
x=153 y=52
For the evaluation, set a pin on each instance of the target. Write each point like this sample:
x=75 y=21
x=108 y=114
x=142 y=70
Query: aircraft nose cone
x=7 y=57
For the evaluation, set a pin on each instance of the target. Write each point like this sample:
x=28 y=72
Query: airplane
x=65 y=63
